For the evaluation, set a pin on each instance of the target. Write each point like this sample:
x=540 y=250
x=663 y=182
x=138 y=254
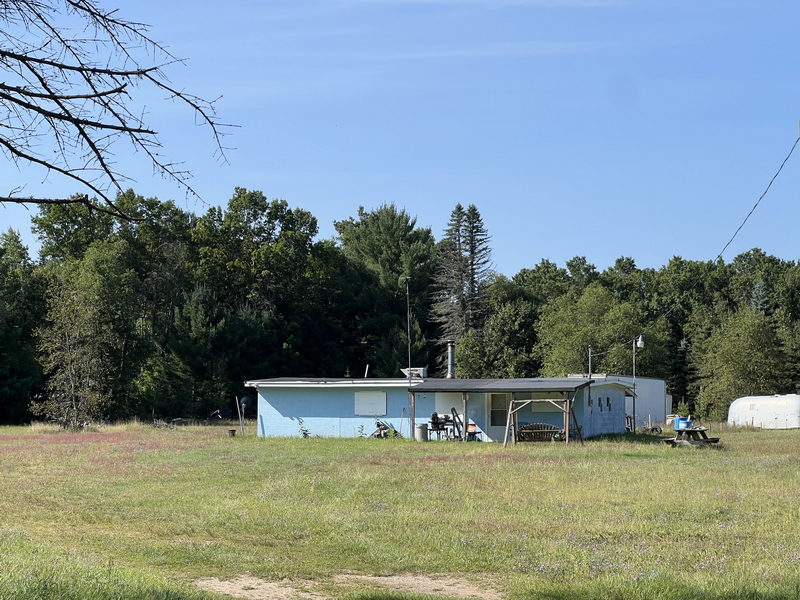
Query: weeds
x=611 y=518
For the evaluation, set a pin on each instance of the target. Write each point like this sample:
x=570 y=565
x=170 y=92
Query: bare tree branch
x=72 y=73
x=21 y=91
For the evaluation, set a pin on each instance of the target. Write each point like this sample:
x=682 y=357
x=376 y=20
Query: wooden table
x=439 y=429
x=691 y=436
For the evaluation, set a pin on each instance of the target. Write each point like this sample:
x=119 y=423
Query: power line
x=719 y=255
x=761 y=197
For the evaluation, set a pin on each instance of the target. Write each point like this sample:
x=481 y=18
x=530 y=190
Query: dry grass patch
x=449 y=587
x=254 y=588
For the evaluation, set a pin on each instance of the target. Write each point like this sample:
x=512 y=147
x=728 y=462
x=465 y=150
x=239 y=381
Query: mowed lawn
x=137 y=512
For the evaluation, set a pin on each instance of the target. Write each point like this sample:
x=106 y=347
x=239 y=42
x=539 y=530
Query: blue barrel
x=682 y=423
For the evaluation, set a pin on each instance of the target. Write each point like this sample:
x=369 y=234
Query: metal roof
x=432 y=385
x=502 y=385
x=328 y=382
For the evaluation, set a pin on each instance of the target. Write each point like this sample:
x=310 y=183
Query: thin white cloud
x=489 y=50
x=497 y=50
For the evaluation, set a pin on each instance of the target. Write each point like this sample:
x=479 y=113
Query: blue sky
x=600 y=128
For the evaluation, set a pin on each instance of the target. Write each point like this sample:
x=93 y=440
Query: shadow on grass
x=632 y=438
x=670 y=592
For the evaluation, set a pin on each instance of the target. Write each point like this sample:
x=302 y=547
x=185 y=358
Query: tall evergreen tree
x=387 y=243
x=464 y=267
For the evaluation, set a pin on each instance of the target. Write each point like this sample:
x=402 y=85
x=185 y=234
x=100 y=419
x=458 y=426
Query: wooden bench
x=539 y=432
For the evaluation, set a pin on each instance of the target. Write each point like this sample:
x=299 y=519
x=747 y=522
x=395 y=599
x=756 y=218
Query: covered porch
x=498 y=404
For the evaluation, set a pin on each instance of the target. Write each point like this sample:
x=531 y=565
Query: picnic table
x=691 y=436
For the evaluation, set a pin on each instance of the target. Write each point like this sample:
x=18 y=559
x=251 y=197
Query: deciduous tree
x=73 y=77
x=742 y=357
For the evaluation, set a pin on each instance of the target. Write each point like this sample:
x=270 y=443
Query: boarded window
x=370 y=404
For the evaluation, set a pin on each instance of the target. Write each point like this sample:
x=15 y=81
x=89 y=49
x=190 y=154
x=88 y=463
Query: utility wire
x=719 y=255
x=761 y=197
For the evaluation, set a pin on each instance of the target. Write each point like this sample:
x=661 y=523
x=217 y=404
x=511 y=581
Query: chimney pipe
x=451 y=359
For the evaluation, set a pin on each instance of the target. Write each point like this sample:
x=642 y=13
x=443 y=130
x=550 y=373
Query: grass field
x=137 y=512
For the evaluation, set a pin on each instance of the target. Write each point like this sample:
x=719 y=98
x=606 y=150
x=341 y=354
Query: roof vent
x=415 y=372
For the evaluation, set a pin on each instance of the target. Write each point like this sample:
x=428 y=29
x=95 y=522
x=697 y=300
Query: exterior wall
x=767 y=412
x=330 y=411
x=593 y=420
x=652 y=399
x=325 y=411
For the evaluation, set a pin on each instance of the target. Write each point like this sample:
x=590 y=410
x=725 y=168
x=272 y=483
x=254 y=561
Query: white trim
x=382 y=383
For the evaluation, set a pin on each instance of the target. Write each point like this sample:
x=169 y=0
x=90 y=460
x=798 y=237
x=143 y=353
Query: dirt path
x=253 y=588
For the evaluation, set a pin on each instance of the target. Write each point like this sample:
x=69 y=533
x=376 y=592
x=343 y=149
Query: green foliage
x=742 y=357
x=464 y=267
x=20 y=310
x=391 y=354
x=387 y=242
x=67 y=230
x=255 y=252
x=546 y=281
x=504 y=347
x=623 y=279
x=681 y=378
x=168 y=314
x=388 y=245
x=581 y=273
x=88 y=334
x=569 y=325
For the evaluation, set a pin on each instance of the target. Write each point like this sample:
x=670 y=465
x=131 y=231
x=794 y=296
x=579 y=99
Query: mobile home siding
x=325 y=412
x=317 y=410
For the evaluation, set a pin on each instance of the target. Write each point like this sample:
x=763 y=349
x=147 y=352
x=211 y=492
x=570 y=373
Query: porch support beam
x=465 y=420
x=412 y=416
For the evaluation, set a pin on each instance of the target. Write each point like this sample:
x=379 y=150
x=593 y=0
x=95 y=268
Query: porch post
x=508 y=417
x=466 y=418
x=566 y=416
x=412 y=416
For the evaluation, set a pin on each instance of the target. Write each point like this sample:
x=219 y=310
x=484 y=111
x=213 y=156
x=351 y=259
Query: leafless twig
x=70 y=75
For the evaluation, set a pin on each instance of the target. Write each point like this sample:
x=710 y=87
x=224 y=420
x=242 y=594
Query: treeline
x=168 y=313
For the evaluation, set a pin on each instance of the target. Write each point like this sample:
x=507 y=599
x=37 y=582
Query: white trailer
x=766 y=412
x=653 y=403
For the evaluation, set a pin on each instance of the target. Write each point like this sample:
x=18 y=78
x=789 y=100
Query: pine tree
x=477 y=254
x=464 y=267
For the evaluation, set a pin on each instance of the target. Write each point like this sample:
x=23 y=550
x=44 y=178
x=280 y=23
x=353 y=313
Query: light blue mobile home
x=291 y=407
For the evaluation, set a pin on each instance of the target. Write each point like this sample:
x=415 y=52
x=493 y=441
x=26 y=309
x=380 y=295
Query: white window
x=498 y=409
x=370 y=404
